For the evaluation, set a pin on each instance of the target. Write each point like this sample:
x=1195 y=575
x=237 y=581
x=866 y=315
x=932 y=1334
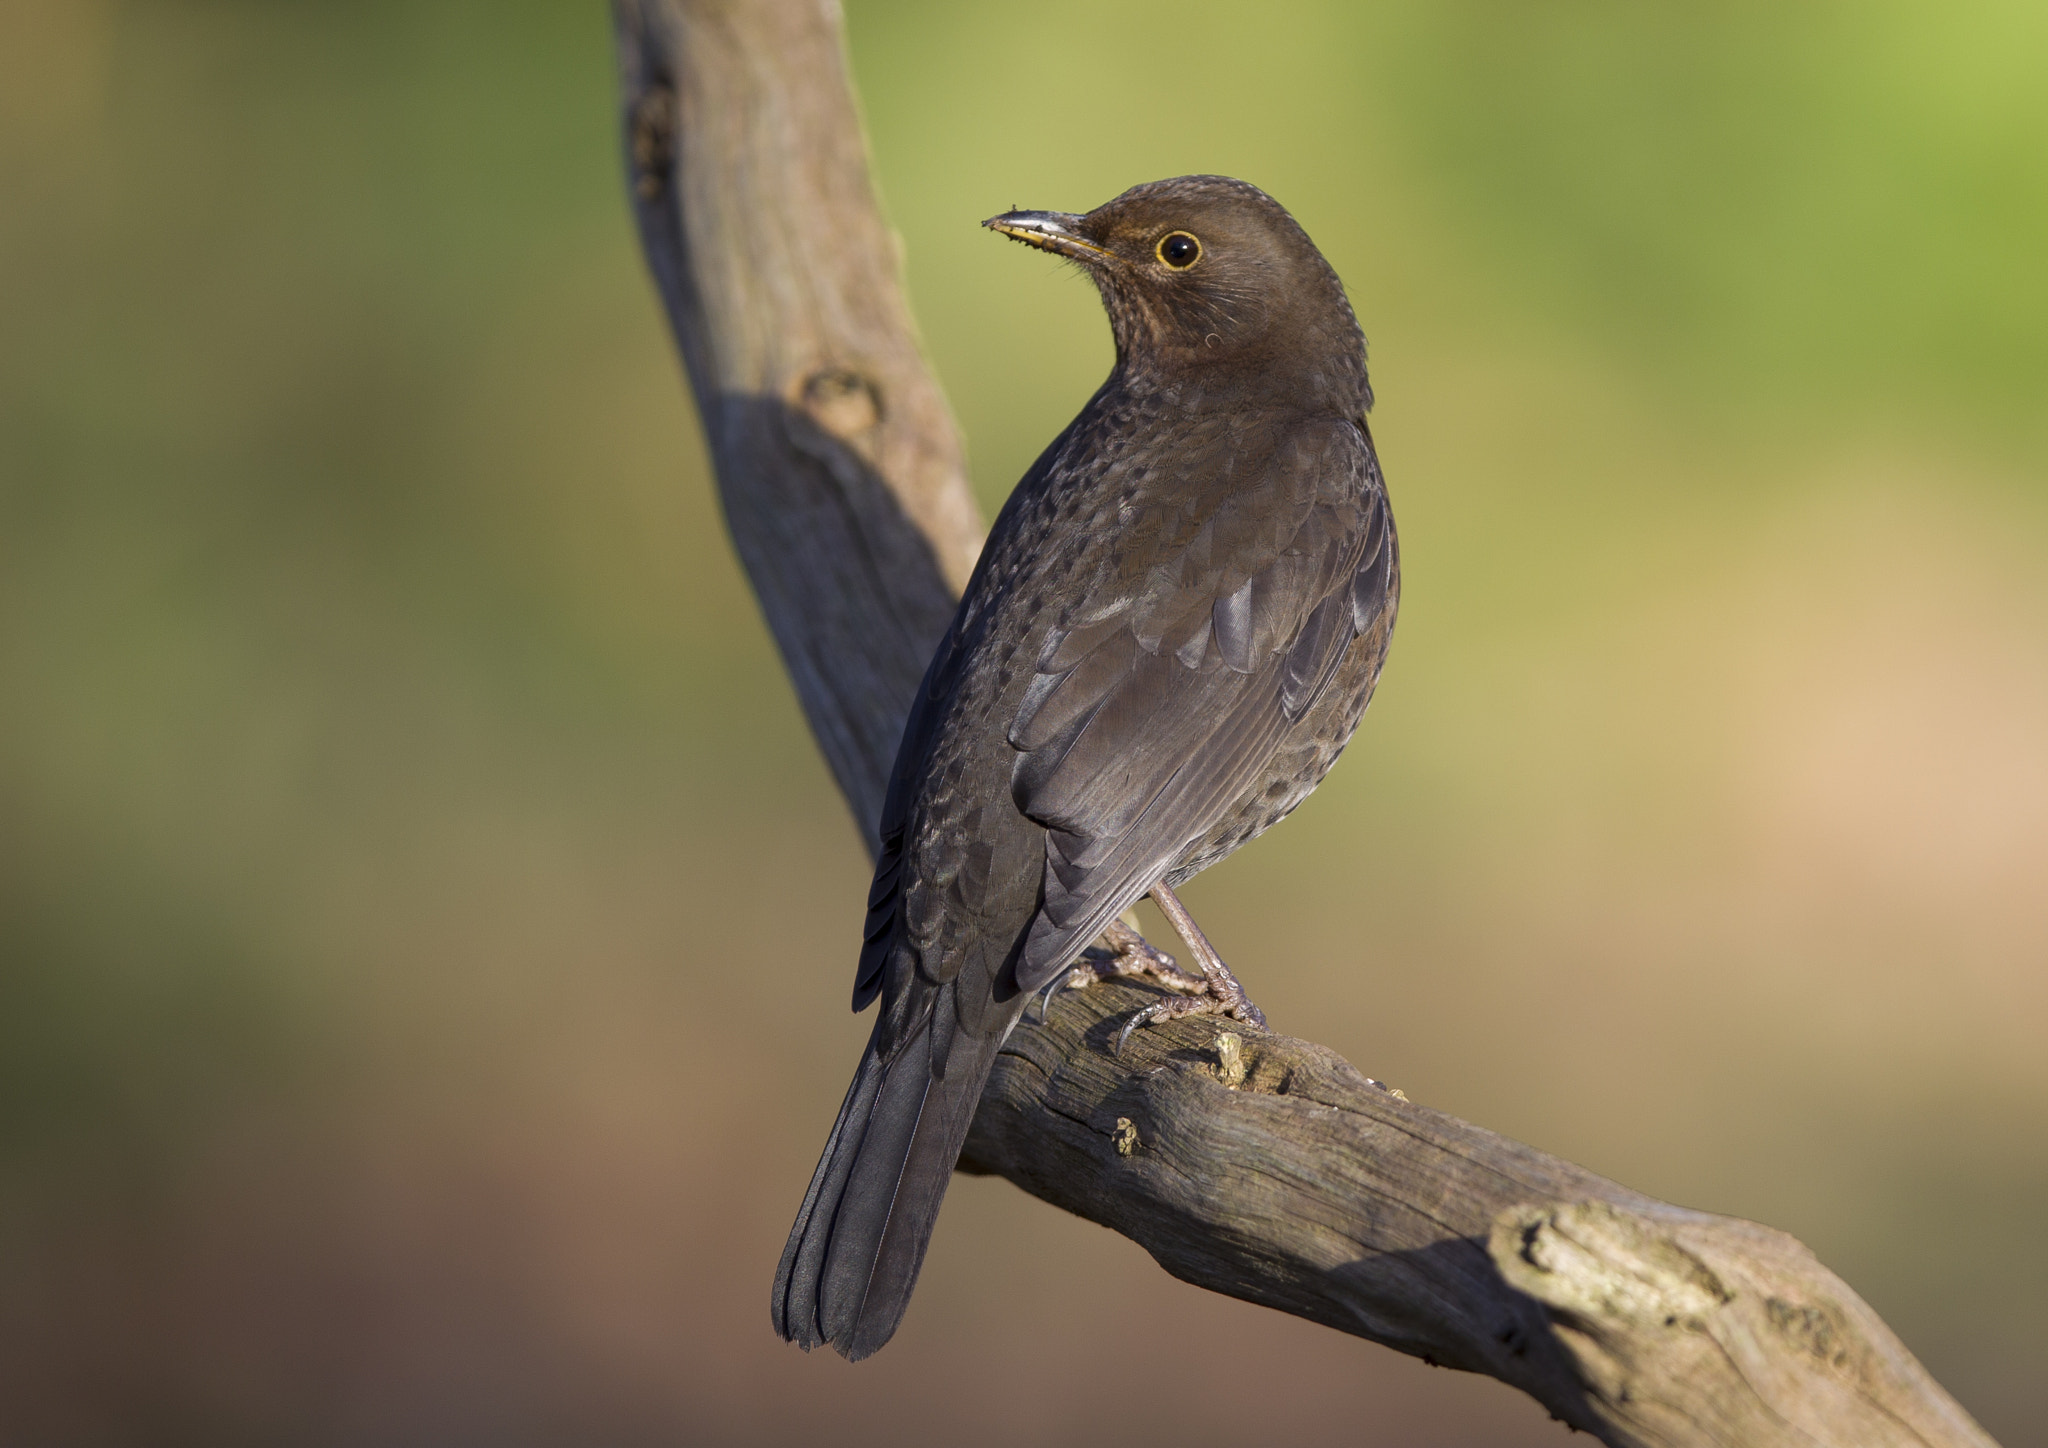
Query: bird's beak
x=1053 y=231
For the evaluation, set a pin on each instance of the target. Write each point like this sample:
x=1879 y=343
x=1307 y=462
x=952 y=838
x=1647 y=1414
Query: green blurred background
x=425 y=925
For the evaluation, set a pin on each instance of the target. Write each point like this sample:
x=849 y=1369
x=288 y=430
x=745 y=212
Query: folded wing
x=1158 y=702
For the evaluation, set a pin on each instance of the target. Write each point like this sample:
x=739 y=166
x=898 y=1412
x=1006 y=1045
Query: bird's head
x=1201 y=272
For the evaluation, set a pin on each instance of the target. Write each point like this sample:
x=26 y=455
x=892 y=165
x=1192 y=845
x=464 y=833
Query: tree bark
x=837 y=459
x=1268 y=1168
x=1256 y=1165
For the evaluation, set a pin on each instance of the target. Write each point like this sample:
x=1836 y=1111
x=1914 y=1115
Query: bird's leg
x=1222 y=996
x=1131 y=954
x=1121 y=950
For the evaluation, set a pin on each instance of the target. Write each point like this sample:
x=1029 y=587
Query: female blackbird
x=1172 y=631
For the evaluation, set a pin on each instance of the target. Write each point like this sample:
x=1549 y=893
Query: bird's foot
x=1130 y=953
x=1219 y=997
x=1122 y=951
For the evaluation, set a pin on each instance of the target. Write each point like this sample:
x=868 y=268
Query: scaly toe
x=1133 y=954
x=1172 y=1009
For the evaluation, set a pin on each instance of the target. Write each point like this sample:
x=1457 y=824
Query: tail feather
x=795 y=1304
x=860 y=1237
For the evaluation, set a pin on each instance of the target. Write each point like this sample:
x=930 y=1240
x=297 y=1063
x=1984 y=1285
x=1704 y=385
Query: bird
x=1171 y=633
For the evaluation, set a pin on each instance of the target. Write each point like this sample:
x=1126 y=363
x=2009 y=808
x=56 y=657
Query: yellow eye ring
x=1178 y=250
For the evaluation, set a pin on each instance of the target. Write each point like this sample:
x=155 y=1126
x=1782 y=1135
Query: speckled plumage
x=1172 y=632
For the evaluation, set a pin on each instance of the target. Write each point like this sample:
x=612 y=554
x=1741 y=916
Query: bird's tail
x=859 y=1239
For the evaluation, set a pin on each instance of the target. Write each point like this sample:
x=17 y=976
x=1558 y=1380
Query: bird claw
x=1220 y=995
x=1236 y=1004
x=1052 y=987
x=1128 y=953
x=1132 y=954
x=1124 y=952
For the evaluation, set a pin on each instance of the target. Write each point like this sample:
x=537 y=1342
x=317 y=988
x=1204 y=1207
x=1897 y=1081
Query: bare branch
x=836 y=457
x=1314 y=1190
x=1268 y=1169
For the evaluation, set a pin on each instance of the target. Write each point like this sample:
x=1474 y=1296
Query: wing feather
x=1128 y=749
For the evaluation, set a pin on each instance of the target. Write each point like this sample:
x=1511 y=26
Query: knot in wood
x=1601 y=1265
x=842 y=402
x=653 y=140
x=1812 y=1330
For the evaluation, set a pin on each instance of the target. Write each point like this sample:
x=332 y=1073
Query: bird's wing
x=1152 y=706
x=1157 y=702
x=924 y=718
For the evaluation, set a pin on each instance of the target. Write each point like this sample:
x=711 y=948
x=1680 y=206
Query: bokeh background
x=425 y=925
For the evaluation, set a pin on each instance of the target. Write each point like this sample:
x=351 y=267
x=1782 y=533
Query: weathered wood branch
x=1258 y=1165
x=837 y=459
x=1307 y=1187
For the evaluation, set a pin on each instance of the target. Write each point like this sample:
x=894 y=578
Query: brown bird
x=1173 y=629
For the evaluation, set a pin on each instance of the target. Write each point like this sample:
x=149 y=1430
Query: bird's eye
x=1179 y=250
